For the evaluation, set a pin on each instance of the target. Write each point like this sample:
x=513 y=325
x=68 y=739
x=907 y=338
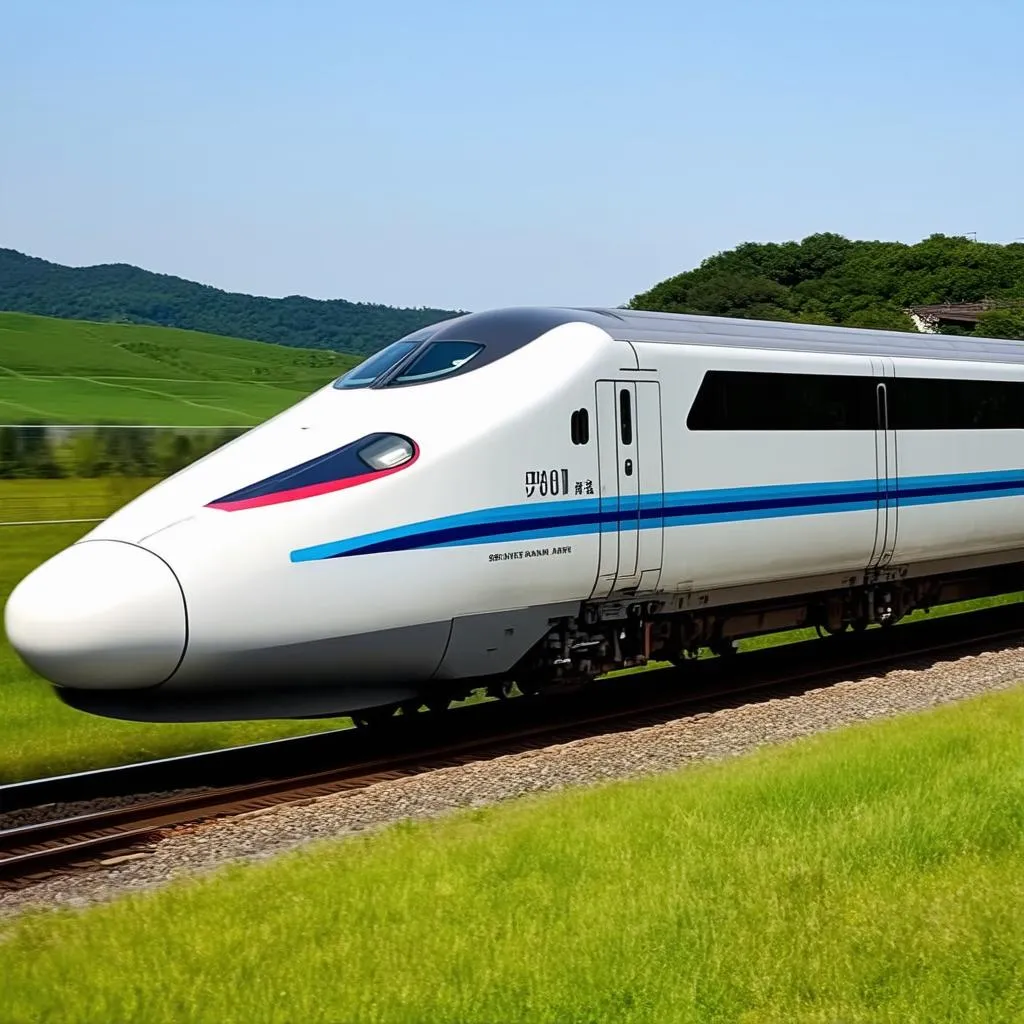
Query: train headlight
x=387 y=452
x=358 y=462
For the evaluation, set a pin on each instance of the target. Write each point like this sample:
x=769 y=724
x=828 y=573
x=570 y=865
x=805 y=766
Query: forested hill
x=825 y=279
x=829 y=279
x=125 y=294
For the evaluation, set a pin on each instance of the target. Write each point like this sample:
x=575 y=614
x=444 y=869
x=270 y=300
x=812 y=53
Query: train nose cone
x=101 y=614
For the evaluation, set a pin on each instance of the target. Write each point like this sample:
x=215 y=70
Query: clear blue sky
x=474 y=153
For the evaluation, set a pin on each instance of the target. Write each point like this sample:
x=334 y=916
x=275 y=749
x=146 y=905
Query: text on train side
x=544 y=482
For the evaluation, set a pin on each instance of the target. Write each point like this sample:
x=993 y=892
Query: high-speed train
x=537 y=496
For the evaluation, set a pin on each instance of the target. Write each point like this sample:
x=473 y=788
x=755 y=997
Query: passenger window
x=749 y=400
x=924 y=403
x=742 y=400
x=579 y=426
x=437 y=360
x=625 y=417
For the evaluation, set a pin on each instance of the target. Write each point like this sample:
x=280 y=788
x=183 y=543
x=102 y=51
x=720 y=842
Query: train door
x=631 y=487
x=886 y=468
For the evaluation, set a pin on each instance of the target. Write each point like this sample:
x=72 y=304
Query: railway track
x=426 y=742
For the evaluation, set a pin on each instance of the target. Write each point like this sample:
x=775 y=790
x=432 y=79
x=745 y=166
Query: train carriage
x=541 y=495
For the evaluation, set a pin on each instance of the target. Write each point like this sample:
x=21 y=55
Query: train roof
x=688 y=329
x=502 y=331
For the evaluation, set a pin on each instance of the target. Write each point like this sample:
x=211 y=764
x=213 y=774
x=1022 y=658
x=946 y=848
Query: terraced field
x=71 y=371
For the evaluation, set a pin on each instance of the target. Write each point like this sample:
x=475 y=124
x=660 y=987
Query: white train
x=541 y=495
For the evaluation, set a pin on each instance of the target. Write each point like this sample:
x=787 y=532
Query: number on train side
x=545 y=483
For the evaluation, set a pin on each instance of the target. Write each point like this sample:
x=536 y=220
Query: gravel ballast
x=706 y=737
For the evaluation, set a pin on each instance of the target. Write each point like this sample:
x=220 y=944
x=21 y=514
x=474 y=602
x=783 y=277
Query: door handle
x=629 y=467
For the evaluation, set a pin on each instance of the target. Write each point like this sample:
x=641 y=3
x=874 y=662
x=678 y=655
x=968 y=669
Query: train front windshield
x=410 y=361
x=363 y=375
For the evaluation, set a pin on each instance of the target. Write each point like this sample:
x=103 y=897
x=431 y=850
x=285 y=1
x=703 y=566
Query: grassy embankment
x=875 y=874
x=70 y=371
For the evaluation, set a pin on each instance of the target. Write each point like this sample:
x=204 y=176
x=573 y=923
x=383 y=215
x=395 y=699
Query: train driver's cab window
x=438 y=360
x=363 y=375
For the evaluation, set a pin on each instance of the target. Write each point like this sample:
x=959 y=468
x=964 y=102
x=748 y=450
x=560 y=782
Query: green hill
x=67 y=371
x=125 y=294
x=829 y=279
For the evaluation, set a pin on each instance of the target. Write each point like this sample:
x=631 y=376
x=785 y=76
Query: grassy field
x=876 y=874
x=44 y=500
x=70 y=371
x=41 y=736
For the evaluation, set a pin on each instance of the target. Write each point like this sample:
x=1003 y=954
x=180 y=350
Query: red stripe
x=311 y=490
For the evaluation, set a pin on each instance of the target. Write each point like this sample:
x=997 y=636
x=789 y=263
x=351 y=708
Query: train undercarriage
x=615 y=635
x=618 y=635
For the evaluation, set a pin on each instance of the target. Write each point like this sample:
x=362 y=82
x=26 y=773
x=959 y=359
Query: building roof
x=953 y=312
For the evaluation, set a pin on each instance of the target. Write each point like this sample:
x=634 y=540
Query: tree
x=829 y=279
x=117 y=293
x=1001 y=323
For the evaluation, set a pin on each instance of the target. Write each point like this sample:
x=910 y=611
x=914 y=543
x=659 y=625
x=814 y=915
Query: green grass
x=68 y=498
x=41 y=736
x=70 y=371
x=872 y=875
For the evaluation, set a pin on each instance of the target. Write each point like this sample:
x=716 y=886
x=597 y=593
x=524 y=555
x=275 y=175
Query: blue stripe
x=584 y=516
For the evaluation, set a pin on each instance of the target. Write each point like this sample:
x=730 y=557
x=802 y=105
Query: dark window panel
x=625 y=417
x=754 y=401
x=742 y=400
x=922 y=403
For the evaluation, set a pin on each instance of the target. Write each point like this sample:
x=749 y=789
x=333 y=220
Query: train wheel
x=501 y=691
x=373 y=718
x=527 y=688
x=686 y=654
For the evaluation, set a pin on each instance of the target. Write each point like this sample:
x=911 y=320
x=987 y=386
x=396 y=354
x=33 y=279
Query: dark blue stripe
x=478 y=531
x=563 y=518
x=949 y=490
x=714 y=508
x=563 y=524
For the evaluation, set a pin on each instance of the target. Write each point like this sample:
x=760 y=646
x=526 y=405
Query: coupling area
x=102 y=614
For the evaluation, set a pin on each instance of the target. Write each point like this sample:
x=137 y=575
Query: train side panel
x=422 y=548
x=961 y=491
x=750 y=507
